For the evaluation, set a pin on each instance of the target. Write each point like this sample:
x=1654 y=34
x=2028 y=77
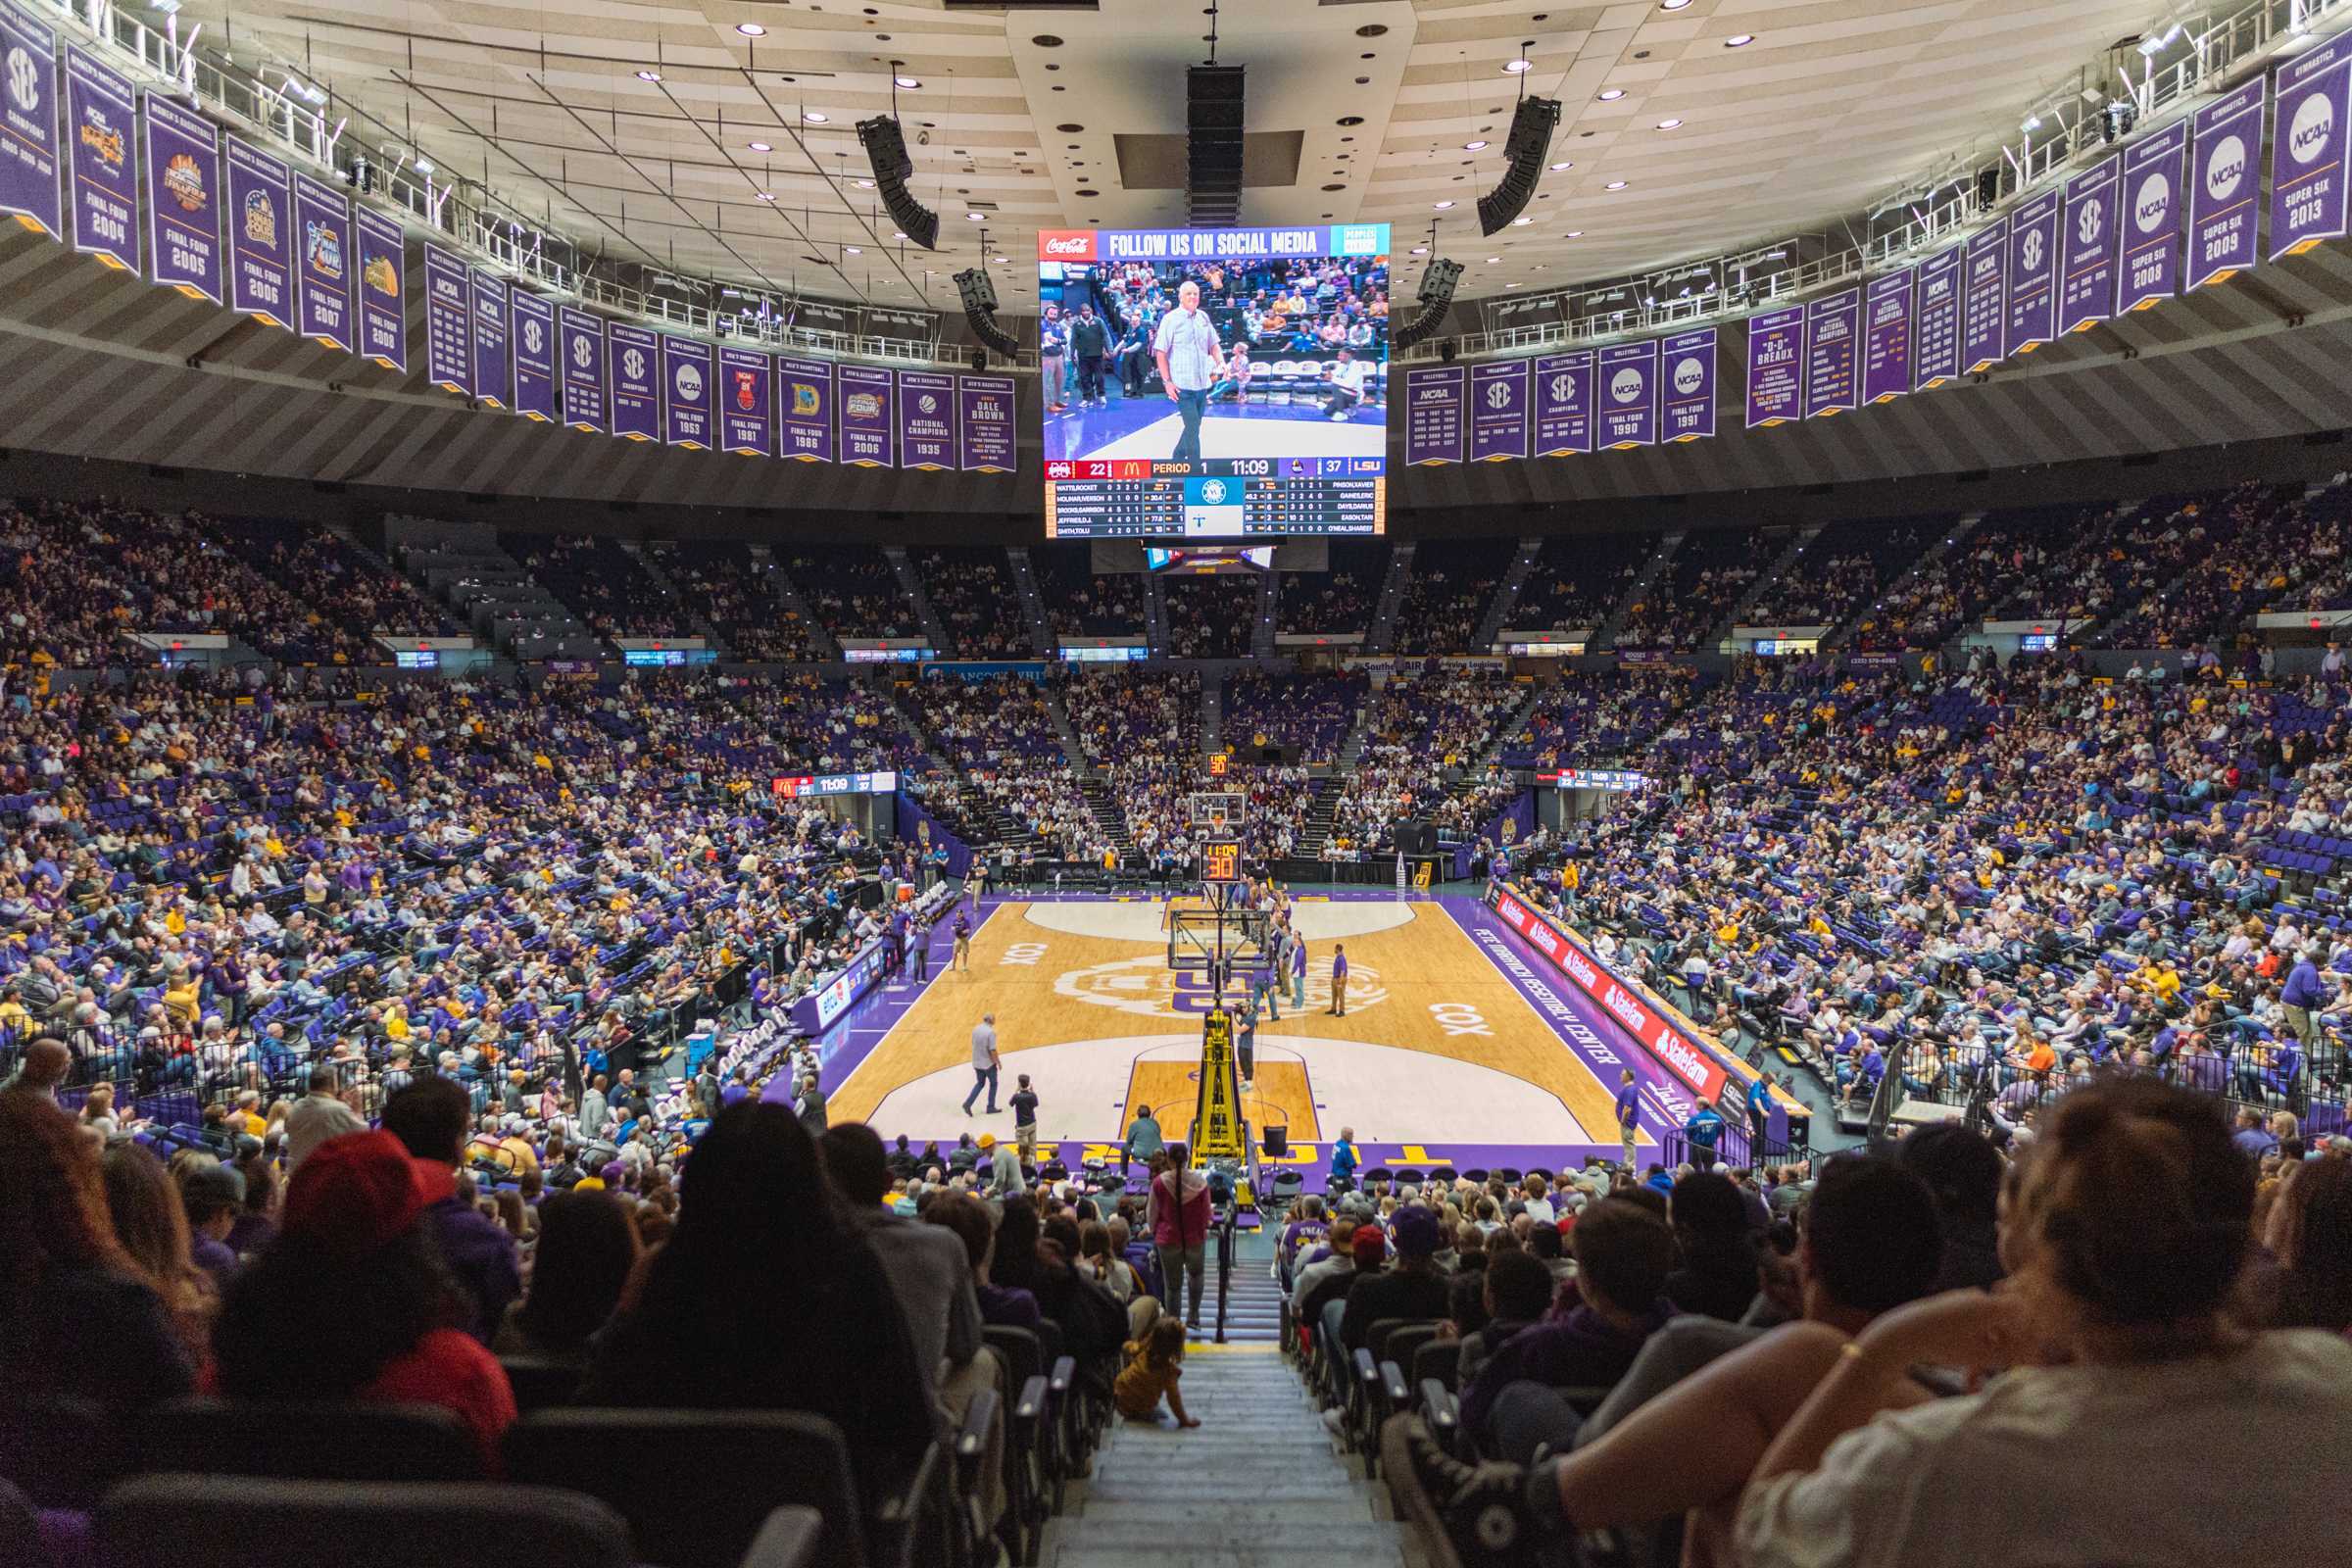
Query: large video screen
x=1212 y=384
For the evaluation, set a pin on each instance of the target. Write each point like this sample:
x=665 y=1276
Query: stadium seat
x=297 y=1441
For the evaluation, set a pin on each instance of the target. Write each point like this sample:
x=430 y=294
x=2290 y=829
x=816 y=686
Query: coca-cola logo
x=1066 y=246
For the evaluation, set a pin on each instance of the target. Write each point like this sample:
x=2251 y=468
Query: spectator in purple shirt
x=430 y=1118
x=1001 y=1305
x=1629 y=1115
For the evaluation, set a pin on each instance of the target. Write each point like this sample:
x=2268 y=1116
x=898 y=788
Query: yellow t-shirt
x=1140 y=1386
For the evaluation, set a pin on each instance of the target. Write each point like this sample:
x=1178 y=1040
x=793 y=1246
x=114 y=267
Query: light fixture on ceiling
x=425 y=164
x=759 y=147
x=1493 y=260
x=1521 y=222
x=750 y=29
x=998 y=260
x=1669 y=124
x=1574 y=233
x=1565 y=163
x=1609 y=95
x=1614 y=184
x=1420 y=249
x=1474 y=146
x=767 y=195
x=1441 y=206
x=2031 y=122
x=908 y=82
x=1672 y=5
x=853 y=250
x=649 y=75
x=975 y=217
x=1740 y=40
x=815 y=116
x=865 y=184
x=1513 y=67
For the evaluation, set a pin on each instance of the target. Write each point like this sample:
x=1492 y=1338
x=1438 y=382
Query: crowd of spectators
x=971 y=592
x=1307 y=714
x=1701 y=584
x=1000 y=723
x=721 y=580
x=1082 y=603
x=1338 y=602
x=1209 y=617
x=1144 y=732
x=1578 y=581
x=1453 y=584
x=855 y=590
x=1842 y=569
x=1963 y=584
x=603 y=584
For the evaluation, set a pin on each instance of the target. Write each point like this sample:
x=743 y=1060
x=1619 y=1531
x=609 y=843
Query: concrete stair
x=1605 y=635
x=910 y=583
x=1506 y=595
x=1033 y=604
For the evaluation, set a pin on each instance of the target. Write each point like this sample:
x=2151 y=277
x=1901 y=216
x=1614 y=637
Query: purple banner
x=534 y=343
x=580 y=367
x=1982 y=298
x=2222 y=211
x=1627 y=375
x=2307 y=148
x=383 y=323
x=183 y=199
x=493 y=337
x=322 y=264
x=743 y=391
x=2032 y=318
x=2154 y=172
x=1833 y=367
x=1935 y=321
x=635 y=356
x=1686 y=385
x=686 y=393
x=261 y=234
x=1498 y=411
x=1776 y=366
x=927 y=420
x=866 y=425
x=1436 y=428
x=1887 y=336
x=99 y=138
x=448 y=337
x=2086 y=245
x=1563 y=396
x=29 y=122
x=804 y=409
x=986 y=406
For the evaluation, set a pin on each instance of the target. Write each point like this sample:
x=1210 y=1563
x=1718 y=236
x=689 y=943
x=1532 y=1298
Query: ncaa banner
x=1981 y=297
x=985 y=406
x=633 y=358
x=686 y=393
x=804 y=409
x=534 y=341
x=867 y=425
x=102 y=171
x=1563 y=397
x=2154 y=172
x=743 y=385
x=493 y=337
x=2032 y=262
x=383 y=320
x=1833 y=322
x=183 y=200
x=2223 y=183
x=28 y=123
x=2086 y=245
x=1687 y=387
x=1776 y=367
x=927 y=421
x=1627 y=375
x=1886 y=304
x=261 y=234
x=1499 y=400
x=2307 y=149
x=580 y=367
x=448 y=313
x=1433 y=418
x=1935 y=321
x=322 y=265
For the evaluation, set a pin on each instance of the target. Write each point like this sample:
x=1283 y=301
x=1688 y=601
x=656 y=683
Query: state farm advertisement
x=1674 y=1050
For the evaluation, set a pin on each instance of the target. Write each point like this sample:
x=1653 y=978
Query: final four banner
x=1776 y=366
x=102 y=170
x=1498 y=411
x=261 y=233
x=2154 y=172
x=323 y=263
x=29 y=122
x=486 y=296
x=867 y=422
x=2307 y=149
x=1981 y=299
x=686 y=393
x=2032 y=314
x=1628 y=376
x=448 y=313
x=986 y=407
x=1935 y=321
x=804 y=409
x=383 y=320
x=535 y=377
x=580 y=367
x=1563 y=397
x=633 y=362
x=2086 y=245
x=927 y=420
x=743 y=377
x=183 y=199
x=1886 y=304
x=2222 y=211
x=1435 y=422
x=1833 y=367
x=1686 y=385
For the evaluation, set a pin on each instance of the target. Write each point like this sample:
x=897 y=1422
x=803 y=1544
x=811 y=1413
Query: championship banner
x=1887 y=336
x=183 y=200
x=1563 y=397
x=2307 y=148
x=534 y=334
x=448 y=313
x=1687 y=387
x=2086 y=245
x=2031 y=319
x=322 y=264
x=742 y=389
x=99 y=138
x=866 y=423
x=1627 y=375
x=633 y=359
x=1833 y=367
x=1498 y=411
x=260 y=235
x=493 y=337
x=580 y=367
x=804 y=409
x=1935 y=321
x=686 y=393
x=1776 y=367
x=29 y=122
x=1435 y=425
x=927 y=421
x=2154 y=173
x=1981 y=297
x=2222 y=215
x=383 y=321
x=986 y=407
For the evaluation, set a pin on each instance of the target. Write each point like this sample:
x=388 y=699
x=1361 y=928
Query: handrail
x=1225 y=1227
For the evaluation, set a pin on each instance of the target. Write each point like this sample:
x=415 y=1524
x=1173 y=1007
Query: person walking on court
x=1024 y=1120
x=1629 y=1115
x=1339 y=980
x=918 y=949
x=1190 y=361
x=963 y=956
x=1178 y=1214
x=985 y=1062
x=1297 y=972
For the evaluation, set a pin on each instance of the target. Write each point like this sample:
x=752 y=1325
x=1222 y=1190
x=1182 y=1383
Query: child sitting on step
x=1155 y=1365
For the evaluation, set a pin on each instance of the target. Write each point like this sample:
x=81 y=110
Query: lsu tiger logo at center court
x=1148 y=988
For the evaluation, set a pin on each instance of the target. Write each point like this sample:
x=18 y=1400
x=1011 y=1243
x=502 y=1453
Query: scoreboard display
x=1141 y=498
x=1221 y=861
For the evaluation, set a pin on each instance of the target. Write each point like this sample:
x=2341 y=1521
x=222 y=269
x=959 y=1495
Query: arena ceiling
x=716 y=136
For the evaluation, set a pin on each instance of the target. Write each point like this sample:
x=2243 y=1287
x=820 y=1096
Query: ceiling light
x=750 y=29
x=1491 y=260
x=767 y=195
x=1510 y=285
x=865 y=184
x=1740 y=40
x=908 y=82
x=1441 y=206
x=998 y=260
x=1672 y=5
x=897 y=233
x=1562 y=164
x=1574 y=233
x=1420 y=249
x=1668 y=124
x=425 y=164
x=1521 y=222
x=2030 y=123
x=853 y=250
x=1473 y=146
x=1614 y=184
x=815 y=116
x=649 y=75
x=1609 y=95
x=975 y=217
x=1514 y=67
x=760 y=147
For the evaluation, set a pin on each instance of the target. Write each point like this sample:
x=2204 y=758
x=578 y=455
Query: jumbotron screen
x=1215 y=384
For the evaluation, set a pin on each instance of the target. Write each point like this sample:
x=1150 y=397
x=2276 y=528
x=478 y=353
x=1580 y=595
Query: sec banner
x=1981 y=299
x=1627 y=375
x=580 y=367
x=2307 y=149
x=2153 y=172
x=2222 y=215
x=867 y=424
x=985 y=406
x=1687 y=387
x=183 y=200
x=1935 y=321
x=1833 y=323
x=803 y=409
x=1776 y=367
x=1886 y=337
x=927 y=420
x=633 y=362
x=447 y=342
x=2032 y=281
x=744 y=377
x=535 y=338
x=686 y=393
x=323 y=263
x=29 y=122
x=1563 y=399
x=1498 y=411
x=1435 y=424
x=493 y=363
x=383 y=319
x=102 y=170
x=2087 y=246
